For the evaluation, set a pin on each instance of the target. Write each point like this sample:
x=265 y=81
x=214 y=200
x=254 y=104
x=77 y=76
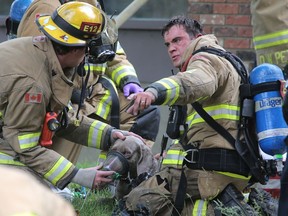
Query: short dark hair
x=62 y=49
x=192 y=27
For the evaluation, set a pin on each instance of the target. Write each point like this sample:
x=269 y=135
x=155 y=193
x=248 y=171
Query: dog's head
x=139 y=156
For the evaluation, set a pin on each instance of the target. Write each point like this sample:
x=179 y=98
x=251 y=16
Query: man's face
x=75 y=57
x=176 y=40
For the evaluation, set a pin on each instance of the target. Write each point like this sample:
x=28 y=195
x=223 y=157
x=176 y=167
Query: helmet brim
x=52 y=31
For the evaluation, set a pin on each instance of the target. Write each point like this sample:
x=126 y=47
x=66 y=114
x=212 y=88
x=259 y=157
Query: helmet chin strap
x=81 y=72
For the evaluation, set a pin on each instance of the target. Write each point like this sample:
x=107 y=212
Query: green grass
x=96 y=203
x=101 y=203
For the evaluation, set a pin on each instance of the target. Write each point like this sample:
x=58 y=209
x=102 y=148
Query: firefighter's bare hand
x=101 y=178
x=140 y=102
x=121 y=134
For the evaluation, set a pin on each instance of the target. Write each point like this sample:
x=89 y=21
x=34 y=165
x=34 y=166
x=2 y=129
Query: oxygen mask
x=116 y=161
x=103 y=48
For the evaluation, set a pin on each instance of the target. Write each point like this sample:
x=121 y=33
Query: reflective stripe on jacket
x=270 y=35
x=57 y=171
x=31 y=78
x=119 y=70
x=105 y=104
x=271 y=39
x=214 y=83
x=222 y=111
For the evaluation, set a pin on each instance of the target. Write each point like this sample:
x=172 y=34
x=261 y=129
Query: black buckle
x=192 y=155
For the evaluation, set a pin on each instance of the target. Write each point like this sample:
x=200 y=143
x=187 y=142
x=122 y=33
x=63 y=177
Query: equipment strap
x=180 y=196
x=115 y=108
x=249 y=90
x=215 y=125
x=238 y=64
x=233 y=59
x=216 y=159
x=246 y=150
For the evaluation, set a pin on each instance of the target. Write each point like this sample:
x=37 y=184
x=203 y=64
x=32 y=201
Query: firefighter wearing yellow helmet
x=72 y=24
x=36 y=86
x=106 y=101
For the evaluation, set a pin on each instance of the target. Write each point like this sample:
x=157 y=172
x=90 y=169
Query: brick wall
x=230 y=21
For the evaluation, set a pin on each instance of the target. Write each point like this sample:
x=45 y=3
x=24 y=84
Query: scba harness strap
x=246 y=159
x=247 y=148
x=222 y=160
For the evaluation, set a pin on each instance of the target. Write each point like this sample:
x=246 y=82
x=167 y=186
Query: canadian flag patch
x=33 y=98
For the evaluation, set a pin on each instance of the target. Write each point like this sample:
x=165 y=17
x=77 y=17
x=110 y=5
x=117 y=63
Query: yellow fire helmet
x=73 y=23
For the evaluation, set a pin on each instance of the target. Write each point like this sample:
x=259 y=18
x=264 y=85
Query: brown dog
x=140 y=159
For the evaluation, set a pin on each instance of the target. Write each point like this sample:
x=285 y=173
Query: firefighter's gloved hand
x=131 y=88
x=93 y=178
x=121 y=134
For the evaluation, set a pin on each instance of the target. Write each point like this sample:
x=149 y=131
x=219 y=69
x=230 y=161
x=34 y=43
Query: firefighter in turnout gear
x=201 y=165
x=283 y=208
x=35 y=80
x=270 y=23
x=17 y=10
x=108 y=86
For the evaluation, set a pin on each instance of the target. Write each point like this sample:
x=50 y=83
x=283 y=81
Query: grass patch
x=94 y=203
x=101 y=203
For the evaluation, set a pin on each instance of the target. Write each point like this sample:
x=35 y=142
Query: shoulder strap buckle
x=192 y=155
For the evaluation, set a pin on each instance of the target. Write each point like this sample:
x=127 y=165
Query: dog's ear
x=147 y=162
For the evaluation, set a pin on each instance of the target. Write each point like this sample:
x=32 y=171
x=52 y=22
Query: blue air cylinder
x=18 y=8
x=270 y=124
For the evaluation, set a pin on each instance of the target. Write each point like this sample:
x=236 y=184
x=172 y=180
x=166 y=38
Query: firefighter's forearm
x=89 y=132
x=152 y=91
x=85 y=177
